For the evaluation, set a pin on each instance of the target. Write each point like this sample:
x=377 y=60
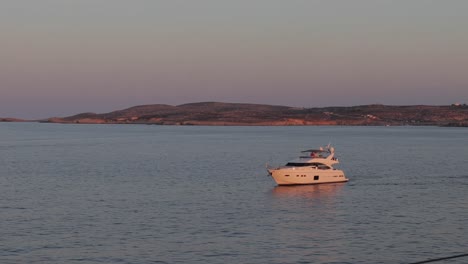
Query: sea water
x=195 y=194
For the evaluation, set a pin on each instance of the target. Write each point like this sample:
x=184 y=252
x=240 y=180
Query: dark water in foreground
x=167 y=194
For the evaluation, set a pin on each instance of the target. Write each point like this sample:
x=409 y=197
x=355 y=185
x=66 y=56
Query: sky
x=62 y=57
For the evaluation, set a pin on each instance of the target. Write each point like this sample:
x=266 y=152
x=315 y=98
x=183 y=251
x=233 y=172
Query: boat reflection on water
x=308 y=191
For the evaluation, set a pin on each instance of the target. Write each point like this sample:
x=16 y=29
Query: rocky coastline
x=236 y=114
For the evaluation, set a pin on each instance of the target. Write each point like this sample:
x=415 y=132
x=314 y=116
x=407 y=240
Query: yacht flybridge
x=312 y=167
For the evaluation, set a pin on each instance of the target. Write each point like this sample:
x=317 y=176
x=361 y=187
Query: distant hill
x=9 y=119
x=217 y=113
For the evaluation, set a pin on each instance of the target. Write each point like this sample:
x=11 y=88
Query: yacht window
x=298 y=164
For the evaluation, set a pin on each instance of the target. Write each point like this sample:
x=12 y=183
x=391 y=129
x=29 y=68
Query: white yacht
x=314 y=166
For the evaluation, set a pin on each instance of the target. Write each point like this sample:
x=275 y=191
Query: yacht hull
x=293 y=176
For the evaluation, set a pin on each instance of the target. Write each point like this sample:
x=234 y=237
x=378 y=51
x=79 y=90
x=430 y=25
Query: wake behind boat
x=315 y=166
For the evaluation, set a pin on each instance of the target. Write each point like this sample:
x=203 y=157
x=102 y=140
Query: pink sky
x=59 y=58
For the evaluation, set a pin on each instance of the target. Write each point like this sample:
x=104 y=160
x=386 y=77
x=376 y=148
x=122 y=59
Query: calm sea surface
x=190 y=194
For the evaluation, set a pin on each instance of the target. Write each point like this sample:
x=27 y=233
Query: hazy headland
x=225 y=114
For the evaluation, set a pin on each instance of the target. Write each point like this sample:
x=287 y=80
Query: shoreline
x=239 y=114
x=219 y=124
